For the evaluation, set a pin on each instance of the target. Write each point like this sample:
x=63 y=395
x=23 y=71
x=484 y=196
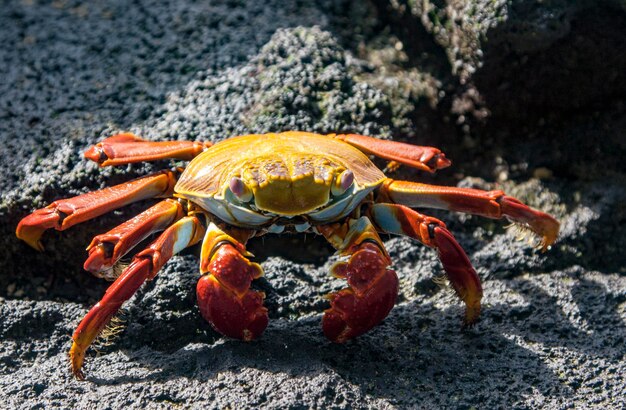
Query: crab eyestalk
x=342 y=183
x=239 y=188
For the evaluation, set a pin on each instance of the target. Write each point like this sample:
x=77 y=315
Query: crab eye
x=240 y=190
x=343 y=182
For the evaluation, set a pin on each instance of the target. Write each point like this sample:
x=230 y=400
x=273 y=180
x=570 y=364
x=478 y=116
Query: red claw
x=225 y=299
x=369 y=299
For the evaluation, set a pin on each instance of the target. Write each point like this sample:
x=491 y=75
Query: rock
x=503 y=88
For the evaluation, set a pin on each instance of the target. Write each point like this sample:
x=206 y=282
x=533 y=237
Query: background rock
x=526 y=96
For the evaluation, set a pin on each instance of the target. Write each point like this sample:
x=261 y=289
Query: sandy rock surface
x=523 y=96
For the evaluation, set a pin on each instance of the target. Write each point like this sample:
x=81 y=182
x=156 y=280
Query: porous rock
x=553 y=326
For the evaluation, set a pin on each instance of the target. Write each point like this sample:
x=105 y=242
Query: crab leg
x=128 y=148
x=491 y=204
x=372 y=287
x=106 y=249
x=401 y=220
x=224 y=296
x=64 y=213
x=424 y=158
x=144 y=266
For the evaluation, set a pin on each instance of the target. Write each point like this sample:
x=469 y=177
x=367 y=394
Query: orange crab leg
x=372 y=287
x=224 y=295
x=398 y=219
x=424 y=158
x=128 y=148
x=106 y=249
x=144 y=266
x=64 y=213
x=491 y=204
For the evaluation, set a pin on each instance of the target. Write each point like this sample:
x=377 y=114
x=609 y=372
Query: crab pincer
x=372 y=287
x=369 y=298
x=224 y=295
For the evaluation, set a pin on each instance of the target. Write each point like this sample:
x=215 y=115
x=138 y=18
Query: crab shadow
x=404 y=361
x=415 y=351
x=594 y=327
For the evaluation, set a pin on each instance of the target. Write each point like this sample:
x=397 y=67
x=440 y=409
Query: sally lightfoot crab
x=250 y=185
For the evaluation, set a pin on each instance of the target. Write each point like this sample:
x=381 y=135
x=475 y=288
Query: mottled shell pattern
x=258 y=180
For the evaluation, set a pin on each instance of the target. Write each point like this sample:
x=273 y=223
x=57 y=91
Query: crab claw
x=369 y=299
x=225 y=298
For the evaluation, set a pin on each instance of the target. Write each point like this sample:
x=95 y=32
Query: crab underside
x=251 y=185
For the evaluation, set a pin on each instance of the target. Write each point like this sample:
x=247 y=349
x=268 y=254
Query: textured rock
x=498 y=85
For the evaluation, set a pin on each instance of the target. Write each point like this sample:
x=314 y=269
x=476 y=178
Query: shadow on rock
x=404 y=361
x=572 y=309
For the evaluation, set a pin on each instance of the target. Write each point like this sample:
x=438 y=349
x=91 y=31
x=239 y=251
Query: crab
x=250 y=185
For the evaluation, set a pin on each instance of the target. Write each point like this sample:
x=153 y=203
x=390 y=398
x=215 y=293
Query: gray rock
x=553 y=328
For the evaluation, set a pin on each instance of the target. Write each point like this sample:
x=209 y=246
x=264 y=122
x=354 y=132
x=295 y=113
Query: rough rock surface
x=524 y=95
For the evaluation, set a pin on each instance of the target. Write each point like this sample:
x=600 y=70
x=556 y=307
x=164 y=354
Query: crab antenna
x=239 y=188
x=343 y=182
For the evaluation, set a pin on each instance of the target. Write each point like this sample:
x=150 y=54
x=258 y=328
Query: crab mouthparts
x=285 y=197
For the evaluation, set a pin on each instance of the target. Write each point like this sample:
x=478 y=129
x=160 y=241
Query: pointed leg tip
x=441 y=161
x=551 y=232
x=31 y=228
x=31 y=235
x=472 y=315
x=79 y=375
x=77 y=356
x=469 y=324
x=541 y=223
x=96 y=261
x=95 y=154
